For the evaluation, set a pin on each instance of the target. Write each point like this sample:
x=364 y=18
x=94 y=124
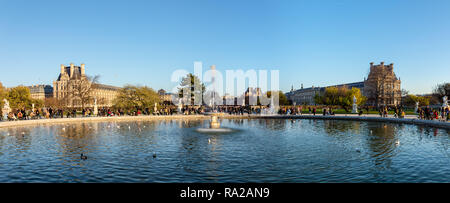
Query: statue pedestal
x=355 y=108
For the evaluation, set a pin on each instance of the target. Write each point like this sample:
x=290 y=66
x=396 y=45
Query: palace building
x=73 y=86
x=305 y=96
x=382 y=88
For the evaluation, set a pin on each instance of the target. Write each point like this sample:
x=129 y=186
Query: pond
x=258 y=150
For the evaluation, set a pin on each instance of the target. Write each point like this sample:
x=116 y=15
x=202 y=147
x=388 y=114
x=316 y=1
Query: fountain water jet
x=214 y=124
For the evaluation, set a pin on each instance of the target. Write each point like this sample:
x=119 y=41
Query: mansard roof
x=76 y=72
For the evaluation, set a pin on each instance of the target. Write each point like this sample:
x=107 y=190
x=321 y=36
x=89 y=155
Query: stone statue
x=180 y=105
x=354 y=106
x=95 y=107
x=417 y=107
x=444 y=101
x=6 y=109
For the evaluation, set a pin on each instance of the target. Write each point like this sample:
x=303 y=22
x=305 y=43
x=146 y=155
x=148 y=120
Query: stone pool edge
x=428 y=123
x=10 y=124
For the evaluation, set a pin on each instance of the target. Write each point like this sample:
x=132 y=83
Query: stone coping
x=8 y=124
x=414 y=121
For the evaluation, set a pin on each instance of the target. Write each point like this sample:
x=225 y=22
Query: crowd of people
x=38 y=113
x=398 y=112
x=428 y=113
x=425 y=113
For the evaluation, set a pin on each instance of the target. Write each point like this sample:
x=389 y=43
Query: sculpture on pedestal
x=417 y=107
x=354 y=106
x=180 y=105
x=6 y=109
x=95 y=107
x=444 y=101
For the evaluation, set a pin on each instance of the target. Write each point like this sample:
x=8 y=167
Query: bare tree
x=80 y=90
x=54 y=103
x=441 y=90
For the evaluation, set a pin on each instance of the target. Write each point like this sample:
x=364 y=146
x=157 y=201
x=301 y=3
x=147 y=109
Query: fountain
x=214 y=124
x=6 y=109
x=272 y=109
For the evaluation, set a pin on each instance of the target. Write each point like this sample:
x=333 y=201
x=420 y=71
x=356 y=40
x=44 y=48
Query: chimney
x=72 y=68
x=371 y=64
x=62 y=68
x=82 y=69
x=382 y=63
x=302 y=85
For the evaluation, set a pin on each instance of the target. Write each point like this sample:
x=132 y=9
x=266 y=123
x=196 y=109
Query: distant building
x=72 y=77
x=166 y=98
x=229 y=100
x=382 y=87
x=251 y=96
x=41 y=91
x=305 y=96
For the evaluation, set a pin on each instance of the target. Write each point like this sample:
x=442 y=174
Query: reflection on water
x=260 y=150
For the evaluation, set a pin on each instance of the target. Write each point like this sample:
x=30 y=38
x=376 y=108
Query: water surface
x=260 y=150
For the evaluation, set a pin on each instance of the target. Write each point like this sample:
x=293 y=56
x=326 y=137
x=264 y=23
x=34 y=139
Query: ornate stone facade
x=72 y=77
x=382 y=87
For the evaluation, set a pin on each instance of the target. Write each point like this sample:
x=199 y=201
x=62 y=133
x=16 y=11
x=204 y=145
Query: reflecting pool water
x=259 y=150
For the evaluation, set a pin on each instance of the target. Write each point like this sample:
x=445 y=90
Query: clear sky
x=142 y=42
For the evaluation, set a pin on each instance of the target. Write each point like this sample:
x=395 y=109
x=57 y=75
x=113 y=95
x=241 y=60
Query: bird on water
x=83 y=157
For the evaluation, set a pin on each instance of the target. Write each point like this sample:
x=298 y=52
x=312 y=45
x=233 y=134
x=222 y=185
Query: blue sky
x=142 y=42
